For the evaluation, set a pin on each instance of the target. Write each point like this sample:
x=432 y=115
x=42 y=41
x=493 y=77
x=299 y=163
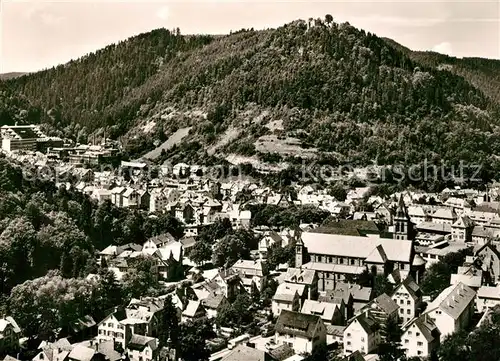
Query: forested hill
x=484 y=74
x=335 y=89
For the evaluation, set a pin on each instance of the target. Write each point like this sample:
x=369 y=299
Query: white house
x=452 y=309
x=142 y=348
x=487 y=297
x=286 y=298
x=329 y=312
x=362 y=334
x=408 y=297
x=300 y=331
x=420 y=338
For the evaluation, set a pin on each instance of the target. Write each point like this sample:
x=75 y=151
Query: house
x=285 y=298
x=329 y=312
x=355 y=356
x=417 y=214
x=9 y=334
x=270 y=238
x=361 y=334
x=170 y=266
x=158 y=241
x=461 y=230
x=444 y=216
x=83 y=328
x=420 y=338
x=488 y=257
x=469 y=275
x=487 y=297
x=361 y=296
x=408 y=296
x=213 y=304
x=482 y=235
x=341 y=297
x=194 y=311
x=228 y=283
x=112 y=328
x=243 y=352
x=58 y=350
x=142 y=348
x=304 y=333
x=130 y=198
x=82 y=353
x=335 y=334
x=382 y=309
x=306 y=277
x=117 y=196
x=452 y=309
x=254 y=271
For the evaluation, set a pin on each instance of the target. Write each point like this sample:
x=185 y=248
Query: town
x=357 y=278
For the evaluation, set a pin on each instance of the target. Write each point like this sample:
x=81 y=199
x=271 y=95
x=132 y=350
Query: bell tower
x=403 y=228
x=299 y=252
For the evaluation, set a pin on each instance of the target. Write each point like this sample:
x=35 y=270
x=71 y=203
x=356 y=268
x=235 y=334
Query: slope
x=336 y=89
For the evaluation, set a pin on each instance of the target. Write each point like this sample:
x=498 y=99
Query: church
x=336 y=257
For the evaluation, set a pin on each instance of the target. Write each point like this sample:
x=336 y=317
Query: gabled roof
x=325 y=310
x=445 y=213
x=357 y=247
x=411 y=286
x=453 y=300
x=463 y=222
x=242 y=352
x=385 y=303
x=298 y=275
x=4 y=322
x=366 y=322
x=359 y=293
x=355 y=356
x=297 y=324
x=192 y=308
x=289 y=289
x=81 y=353
x=427 y=328
x=213 y=301
x=139 y=342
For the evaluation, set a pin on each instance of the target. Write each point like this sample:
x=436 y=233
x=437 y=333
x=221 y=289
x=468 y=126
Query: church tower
x=299 y=252
x=403 y=228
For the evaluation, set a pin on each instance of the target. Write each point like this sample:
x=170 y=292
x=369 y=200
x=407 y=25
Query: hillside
x=6 y=76
x=338 y=94
x=484 y=74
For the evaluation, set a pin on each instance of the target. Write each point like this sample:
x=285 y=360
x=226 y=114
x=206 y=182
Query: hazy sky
x=39 y=33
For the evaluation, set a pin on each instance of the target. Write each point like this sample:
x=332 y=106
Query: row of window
x=111 y=333
x=112 y=325
x=336 y=260
x=402 y=302
x=419 y=343
x=408 y=311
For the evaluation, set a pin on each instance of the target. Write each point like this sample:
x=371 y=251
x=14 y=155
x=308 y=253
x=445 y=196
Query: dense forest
x=343 y=91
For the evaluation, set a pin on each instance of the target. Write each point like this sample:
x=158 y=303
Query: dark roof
x=82 y=323
x=368 y=323
x=139 y=342
x=355 y=356
x=386 y=304
x=296 y=323
x=282 y=352
x=334 y=230
x=355 y=226
x=213 y=301
x=163 y=238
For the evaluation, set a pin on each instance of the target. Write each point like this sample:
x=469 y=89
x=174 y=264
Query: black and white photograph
x=250 y=180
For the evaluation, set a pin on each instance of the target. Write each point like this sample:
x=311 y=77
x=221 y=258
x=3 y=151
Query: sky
x=36 y=34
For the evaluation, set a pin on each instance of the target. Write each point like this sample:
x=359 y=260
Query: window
x=348 y=335
x=110 y=333
x=120 y=326
x=348 y=343
x=401 y=310
x=401 y=302
x=362 y=339
x=147 y=352
x=41 y=356
x=341 y=261
x=110 y=324
x=419 y=343
x=409 y=333
x=419 y=352
x=353 y=262
x=408 y=311
x=407 y=341
x=418 y=333
x=408 y=302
